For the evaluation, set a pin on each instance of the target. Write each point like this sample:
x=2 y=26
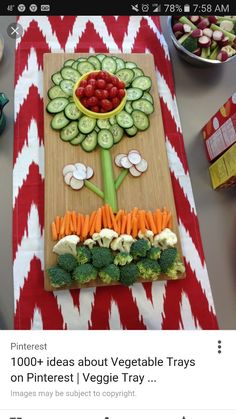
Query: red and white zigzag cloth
x=185 y=304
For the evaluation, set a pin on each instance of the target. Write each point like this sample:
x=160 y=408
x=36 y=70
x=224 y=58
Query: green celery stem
x=94 y=188
x=120 y=178
x=184 y=20
x=109 y=189
x=230 y=35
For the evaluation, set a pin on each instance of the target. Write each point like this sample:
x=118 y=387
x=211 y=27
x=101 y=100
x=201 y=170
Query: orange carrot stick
x=158 y=220
x=123 y=224
x=107 y=209
x=104 y=217
x=170 y=221
x=98 y=225
x=134 y=213
x=67 y=223
x=119 y=215
x=118 y=226
x=74 y=220
x=92 y=228
x=85 y=229
x=164 y=219
x=142 y=226
x=113 y=220
x=135 y=227
x=128 y=228
x=57 y=223
x=78 y=225
x=91 y=219
x=62 y=227
x=151 y=222
x=54 y=231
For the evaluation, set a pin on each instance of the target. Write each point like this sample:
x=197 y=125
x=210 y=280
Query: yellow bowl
x=96 y=115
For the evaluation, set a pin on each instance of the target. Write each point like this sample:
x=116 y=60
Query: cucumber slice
x=78 y=140
x=120 y=64
x=126 y=75
x=100 y=57
x=69 y=73
x=131 y=132
x=68 y=63
x=56 y=78
x=124 y=119
x=143 y=105
x=57 y=105
x=85 y=67
x=128 y=107
x=71 y=99
x=147 y=96
x=142 y=82
x=137 y=72
x=112 y=120
x=67 y=87
x=75 y=65
x=141 y=120
x=86 y=124
x=133 y=93
x=130 y=64
x=109 y=64
x=70 y=131
x=117 y=133
x=103 y=123
x=55 y=92
x=105 y=139
x=59 y=121
x=72 y=112
x=97 y=129
x=90 y=141
x=95 y=62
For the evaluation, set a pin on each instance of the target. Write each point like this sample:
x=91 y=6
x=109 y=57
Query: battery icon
x=187 y=8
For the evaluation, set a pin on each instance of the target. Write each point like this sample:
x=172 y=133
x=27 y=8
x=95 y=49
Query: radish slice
x=203 y=24
x=204 y=41
x=69 y=168
x=208 y=32
x=76 y=184
x=89 y=172
x=134 y=172
x=187 y=28
x=125 y=163
x=195 y=19
x=224 y=42
x=134 y=151
x=178 y=34
x=178 y=27
x=212 y=19
x=81 y=167
x=197 y=33
x=197 y=52
x=218 y=36
x=142 y=166
x=222 y=56
x=118 y=159
x=68 y=178
x=134 y=158
x=227 y=25
x=79 y=174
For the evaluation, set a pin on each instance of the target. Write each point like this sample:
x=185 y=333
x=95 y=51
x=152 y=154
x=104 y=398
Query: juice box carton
x=223 y=170
x=220 y=132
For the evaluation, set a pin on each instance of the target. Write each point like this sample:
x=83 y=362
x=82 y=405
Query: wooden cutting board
x=150 y=191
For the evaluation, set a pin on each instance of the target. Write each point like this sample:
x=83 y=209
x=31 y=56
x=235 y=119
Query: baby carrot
x=74 y=219
x=67 y=223
x=92 y=228
x=151 y=222
x=158 y=220
x=104 y=217
x=164 y=219
x=123 y=224
x=135 y=227
x=98 y=225
x=91 y=219
x=85 y=227
x=78 y=225
x=108 y=216
x=128 y=228
x=113 y=220
x=54 y=231
x=62 y=227
x=57 y=223
x=142 y=221
x=169 y=221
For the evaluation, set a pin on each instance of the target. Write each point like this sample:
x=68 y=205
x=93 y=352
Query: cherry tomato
x=107 y=105
x=105 y=94
x=83 y=83
x=121 y=85
x=101 y=75
x=92 y=82
x=89 y=90
x=84 y=101
x=115 y=102
x=99 y=93
x=114 y=80
x=100 y=84
x=109 y=86
x=121 y=93
x=95 y=109
x=93 y=101
x=92 y=75
x=113 y=92
x=80 y=92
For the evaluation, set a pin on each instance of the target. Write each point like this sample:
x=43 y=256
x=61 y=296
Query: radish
x=69 y=168
x=134 y=158
x=197 y=33
x=125 y=163
x=118 y=159
x=227 y=25
x=187 y=28
x=68 y=178
x=218 y=36
x=134 y=172
x=203 y=24
x=89 y=172
x=76 y=184
x=222 y=56
x=212 y=19
x=134 y=151
x=142 y=166
x=224 y=42
x=178 y=35
x=178 y=27
x=195 y=19
x=204 y=41
x=208 y=32
x=198 y=52
x=81 y=167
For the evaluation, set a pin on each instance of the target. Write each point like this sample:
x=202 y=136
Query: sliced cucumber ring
x=100 y=57
x=57 y=105
x=70 y=131
x=117 y=133
x=90 y=141
x=69 y=73
x=133 y=93
x=67 y=87
x=86 y=124
x=131 y=132
x=142 y=82
x=147 y=96
x=105 y=139
x=141 y=120
x=95 y=62
x=124 y=119
x=103 y=123
x=143 y=105
x=109 y=64
x=85 y=67
x=59 y=121
x=120 y=64
x=130 y=64
x=128 y=107
x=55 y=92
x=126 y=75
x=56 y=78
x=78 y=140
x=72 y=112
x=68 y=63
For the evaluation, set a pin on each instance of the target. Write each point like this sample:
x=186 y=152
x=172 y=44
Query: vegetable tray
x=154 y=190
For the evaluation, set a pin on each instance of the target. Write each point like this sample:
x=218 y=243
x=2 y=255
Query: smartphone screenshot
x=117 y=220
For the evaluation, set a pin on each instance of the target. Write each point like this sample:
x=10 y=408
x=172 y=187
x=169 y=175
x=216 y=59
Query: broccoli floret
x=167 y=258
x=139 y=248
x=149 y=269
x=129 y=274
x=154 y=253
x=67 y=262
x=84 y=273
x=110 y=274
x=58 y=277
x=123 y=258
x=83 y=255
x=176 y=269
x=101 y=257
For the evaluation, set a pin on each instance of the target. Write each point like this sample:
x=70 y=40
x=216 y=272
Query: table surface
x=200 y=92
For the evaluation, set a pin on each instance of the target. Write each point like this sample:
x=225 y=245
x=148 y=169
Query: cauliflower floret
x=123 y=243
x=90 y=243
x=67 y=245
x=148 y=235
x=165 y=239
x=105 y=237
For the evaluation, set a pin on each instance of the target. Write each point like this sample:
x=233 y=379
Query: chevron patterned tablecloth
x=185 y=304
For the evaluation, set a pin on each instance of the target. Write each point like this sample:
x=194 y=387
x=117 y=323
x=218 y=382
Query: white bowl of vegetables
x=204 y=40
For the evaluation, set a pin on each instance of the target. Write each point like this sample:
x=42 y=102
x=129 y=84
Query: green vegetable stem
x=109 y=188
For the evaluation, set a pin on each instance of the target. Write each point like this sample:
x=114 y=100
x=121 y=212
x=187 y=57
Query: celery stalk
x=109 y=189
x=183 y=38
x=205 y=52
x=226 y=33
x=94 y=188
x=214 y=53
x=121 y=178
x=184 y=20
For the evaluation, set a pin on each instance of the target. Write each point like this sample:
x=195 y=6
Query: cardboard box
x=220 y=132
x=223 y=171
